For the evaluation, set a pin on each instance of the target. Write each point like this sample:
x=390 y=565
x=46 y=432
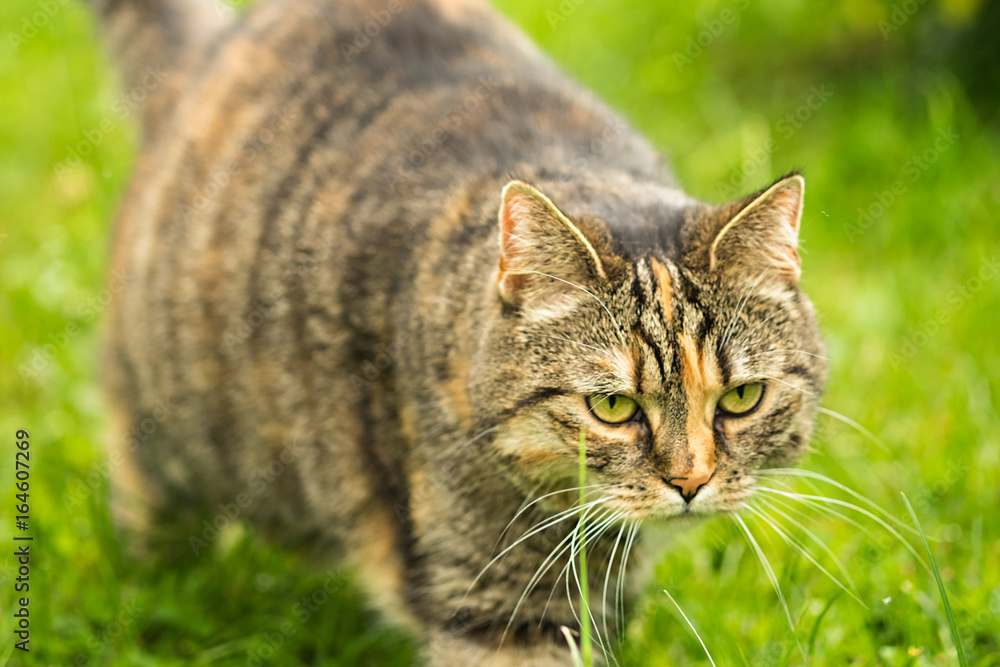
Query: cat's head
x=672 y=333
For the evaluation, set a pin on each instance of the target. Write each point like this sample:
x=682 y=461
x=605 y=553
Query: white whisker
x=861 y=429
x=770 y=575
x=811 y=535
x=607 y=578
x=539 y=527
x=576 y=342
x=621 y=331
x=861 y=510
x=621 y=575
x=802 y=550
x=804 y=391
x=809 y=474
x=811 y=354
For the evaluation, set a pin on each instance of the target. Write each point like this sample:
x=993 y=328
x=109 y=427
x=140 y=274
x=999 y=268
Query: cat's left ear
x=763 y=235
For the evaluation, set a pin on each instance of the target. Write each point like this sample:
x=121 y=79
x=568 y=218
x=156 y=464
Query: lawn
x=890 y=110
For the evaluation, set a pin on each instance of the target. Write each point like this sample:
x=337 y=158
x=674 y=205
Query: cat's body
x=352 y=350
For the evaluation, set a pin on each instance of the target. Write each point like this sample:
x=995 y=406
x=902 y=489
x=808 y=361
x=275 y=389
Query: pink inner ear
x=515 y=206
x=787 y=203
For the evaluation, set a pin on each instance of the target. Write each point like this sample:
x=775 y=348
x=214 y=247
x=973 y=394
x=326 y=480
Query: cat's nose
x=688 y=487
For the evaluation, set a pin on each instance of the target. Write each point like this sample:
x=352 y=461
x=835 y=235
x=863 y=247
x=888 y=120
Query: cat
x=389 y=253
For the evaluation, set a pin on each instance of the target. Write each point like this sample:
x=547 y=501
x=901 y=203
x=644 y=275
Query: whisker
x=629 y=541
x=861 y=429
x=547 y=565
x=525 y=508
x=825 y=510
x=802 y=550
x=843 y=503
x=690 y=625
x=770 y=575
x=822 y=545
x=745 y=294
x=576 y=342
x=607 y=578
x=804 y=391
x=477 y=437
x=811 y=354
x=545 y=524
x=621 y=331
x=809 y=474
x=588 y=537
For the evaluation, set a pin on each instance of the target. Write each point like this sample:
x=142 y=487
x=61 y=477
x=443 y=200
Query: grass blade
x=690 y=625
x=956 y=639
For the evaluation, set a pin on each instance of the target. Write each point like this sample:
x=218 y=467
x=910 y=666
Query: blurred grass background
x=900 y=253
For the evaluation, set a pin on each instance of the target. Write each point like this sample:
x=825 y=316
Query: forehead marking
x=700 y=379
x=666 y=290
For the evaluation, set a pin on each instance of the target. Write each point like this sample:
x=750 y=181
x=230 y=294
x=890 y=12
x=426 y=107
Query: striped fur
x=313 y=232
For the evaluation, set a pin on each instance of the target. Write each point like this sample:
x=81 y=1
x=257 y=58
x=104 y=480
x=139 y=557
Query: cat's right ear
x=545 y=260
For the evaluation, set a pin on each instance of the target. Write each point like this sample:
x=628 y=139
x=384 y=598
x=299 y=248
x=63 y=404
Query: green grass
x=910 y=330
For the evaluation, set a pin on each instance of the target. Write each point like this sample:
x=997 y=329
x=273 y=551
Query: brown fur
x=390 y=270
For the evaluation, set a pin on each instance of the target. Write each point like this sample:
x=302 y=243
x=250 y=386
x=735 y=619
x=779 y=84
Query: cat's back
x=287 y=197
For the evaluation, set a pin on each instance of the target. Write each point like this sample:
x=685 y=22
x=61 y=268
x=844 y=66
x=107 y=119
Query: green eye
x=614 y=409
x=742 y=399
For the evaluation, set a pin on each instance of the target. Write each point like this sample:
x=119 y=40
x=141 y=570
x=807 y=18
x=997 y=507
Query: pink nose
x=689 y=486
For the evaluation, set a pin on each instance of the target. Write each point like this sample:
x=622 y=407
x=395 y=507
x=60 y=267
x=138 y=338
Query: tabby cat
x=389 y=253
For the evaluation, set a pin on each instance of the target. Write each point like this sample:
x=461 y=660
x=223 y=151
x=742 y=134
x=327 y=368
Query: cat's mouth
x=638 y=504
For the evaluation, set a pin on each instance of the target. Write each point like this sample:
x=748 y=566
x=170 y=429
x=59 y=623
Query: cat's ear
x=763 y=235
x=545 y=260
